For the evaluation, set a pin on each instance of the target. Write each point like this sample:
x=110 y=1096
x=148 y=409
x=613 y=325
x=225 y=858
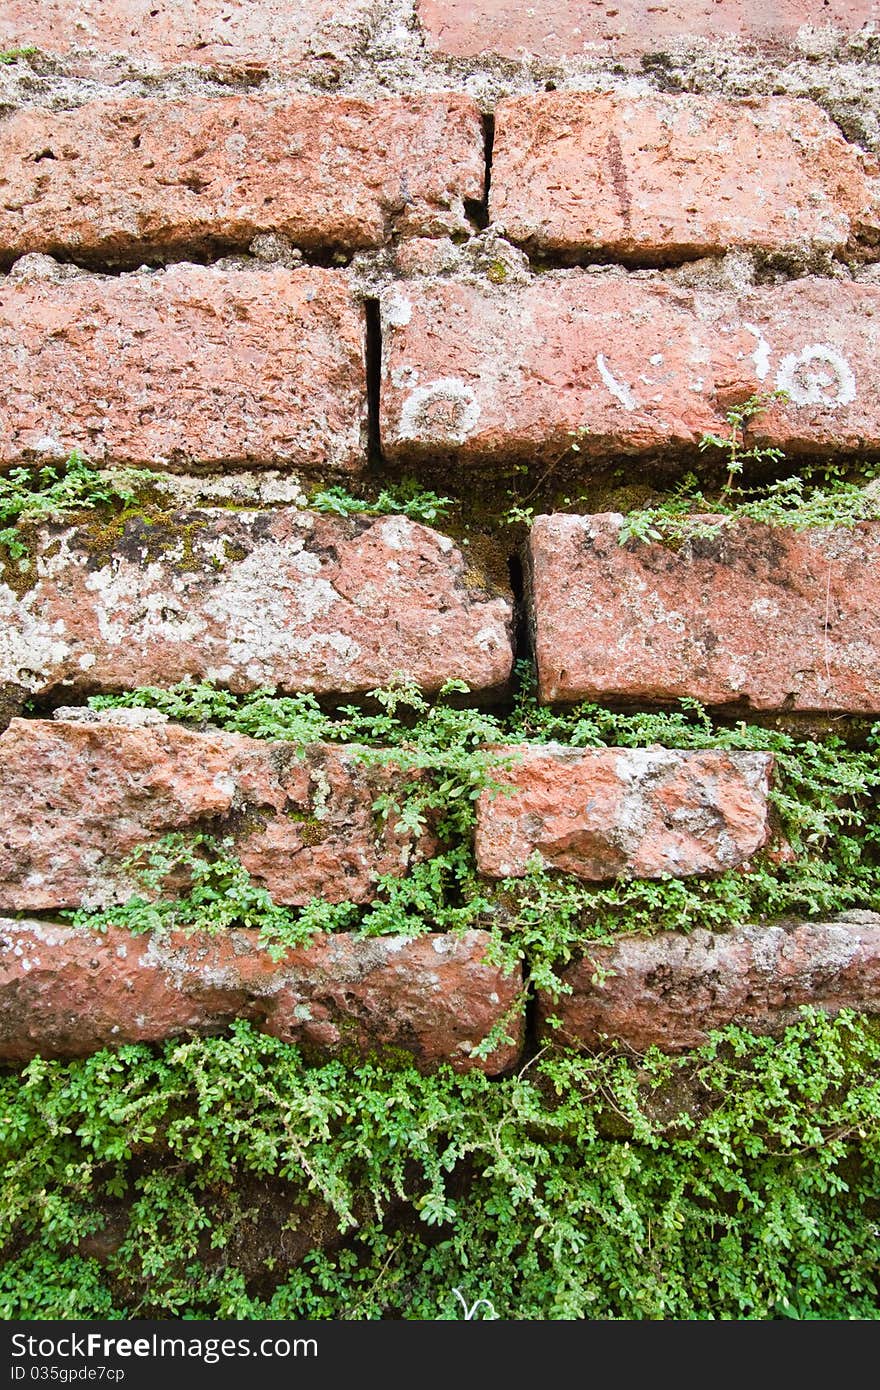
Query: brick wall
x=531 y=257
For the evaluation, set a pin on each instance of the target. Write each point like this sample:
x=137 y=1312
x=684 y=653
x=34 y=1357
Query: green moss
x=312 y=830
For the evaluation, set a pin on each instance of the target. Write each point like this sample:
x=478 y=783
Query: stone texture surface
x=77 y=797
x=625 y=364
x=560 y=29
x=126 y=179
x=603 y=813
x=753 y=615
x=167 y=33
x=670 y=990
x=661 y=178
x=292 y=599
x=67 y=991
x=185 y=366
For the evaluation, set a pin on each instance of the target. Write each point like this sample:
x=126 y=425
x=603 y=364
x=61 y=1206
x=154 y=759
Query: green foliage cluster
x=737 y=1182
x=17 y=55
x=407 y=499
x=825 y=795
x=30 y=496
x=823 y=496
x=217 y=893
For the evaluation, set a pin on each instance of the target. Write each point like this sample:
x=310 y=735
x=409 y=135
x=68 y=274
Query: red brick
x=624 y=363
x=185 y=366
x=670 y=990
x=160 y=34
x=76 y=798
x=290 y=599
x=132 y=178
x=603 y=813
x=757 y=615
x=67 y=991
x=656 y=179
x=560 y=29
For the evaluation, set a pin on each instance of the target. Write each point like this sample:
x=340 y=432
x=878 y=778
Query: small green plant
x=18 y=55
x=521 y=511
x=408 y=499
x=214 y=892
x=732 y=444
x=30 y=496
x=819 y=497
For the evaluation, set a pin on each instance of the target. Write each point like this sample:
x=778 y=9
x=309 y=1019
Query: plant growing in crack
x=30 y=496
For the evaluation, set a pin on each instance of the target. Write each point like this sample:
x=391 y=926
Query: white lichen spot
x=321 y=792
x=764 y=608
x=618 y=389
x=396 y=310
x=487 y=639
x=87 y=661
x=29 y=647
x=404 y=376
x=397 y=532
x=818 y=375
x=225 y=784
x=445 y=410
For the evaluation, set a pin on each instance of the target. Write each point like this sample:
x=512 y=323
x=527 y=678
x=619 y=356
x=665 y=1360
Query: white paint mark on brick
x=818 y=375
x=761 y=355
x=618 y=389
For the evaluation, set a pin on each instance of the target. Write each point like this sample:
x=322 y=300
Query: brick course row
x=648 y=179
x=78 y=796
x=740 y=615
x=229 y=368
x=66 y=991
x=286 y=34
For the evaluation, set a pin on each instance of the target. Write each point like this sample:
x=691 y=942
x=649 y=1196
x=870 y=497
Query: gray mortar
x=389 y=55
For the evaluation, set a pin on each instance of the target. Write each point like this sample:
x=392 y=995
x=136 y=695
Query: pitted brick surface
x=126 y=179
x=67 y=991
x=290 y=599
x=190 y=366
x=748 y=614
x=624 y=365
x=604 y=813
x=670 y=990
x=77 y=798
x=657 y=179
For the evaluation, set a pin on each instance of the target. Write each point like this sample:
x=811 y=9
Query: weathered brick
x=67 y=991
x=670 y=990
x=189 y=365
x=291 y=599
x=156 y=34
x=757 y=615
x=625 y=364
x=77 y=797
x=604 y=813
x=560 y=29
x=657 y=179
x=122 y=180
